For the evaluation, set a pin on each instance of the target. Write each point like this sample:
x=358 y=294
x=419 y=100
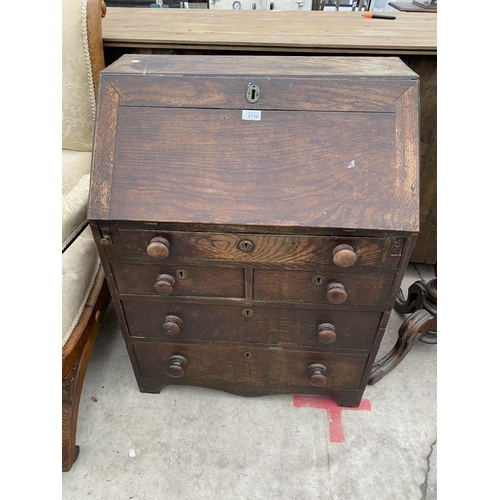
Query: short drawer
x=189 y=281
x=255 y=248
x=312 y=287
x=264 y=325
x=248 y=365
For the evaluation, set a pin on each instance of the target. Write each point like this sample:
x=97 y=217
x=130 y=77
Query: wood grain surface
x=282 y=249
x=201 y=281
x=266 y=367
x=269 y=65
x=298 y=286
x=340 y=32
x=267 y=325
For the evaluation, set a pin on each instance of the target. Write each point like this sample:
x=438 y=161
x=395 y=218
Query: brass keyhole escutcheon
x=247 y=355
x=181 y=274
x=247 y=313
x=245 y=245
x=318 y=280
x=253 y=93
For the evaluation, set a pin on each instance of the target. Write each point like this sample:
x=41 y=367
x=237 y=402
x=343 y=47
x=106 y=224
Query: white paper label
x=248 y=114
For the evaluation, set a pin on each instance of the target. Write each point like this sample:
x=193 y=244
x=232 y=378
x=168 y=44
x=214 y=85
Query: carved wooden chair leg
x=71 y=391
x=412 y=329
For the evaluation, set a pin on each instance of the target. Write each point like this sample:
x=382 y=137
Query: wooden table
x=411 y=36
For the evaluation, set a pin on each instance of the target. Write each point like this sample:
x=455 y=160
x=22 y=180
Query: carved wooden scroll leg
x=414 y=301
x=414 y=327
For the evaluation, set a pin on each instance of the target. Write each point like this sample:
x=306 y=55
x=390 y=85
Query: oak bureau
x=255 y=216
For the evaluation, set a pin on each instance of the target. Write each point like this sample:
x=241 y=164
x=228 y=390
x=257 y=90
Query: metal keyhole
x=181 y=274
x=253 y=93
x=247 y=313
x=247 y=355
x=245 y=245
x=318 y=280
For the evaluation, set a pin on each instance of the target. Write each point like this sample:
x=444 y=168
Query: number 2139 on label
x=250 y=115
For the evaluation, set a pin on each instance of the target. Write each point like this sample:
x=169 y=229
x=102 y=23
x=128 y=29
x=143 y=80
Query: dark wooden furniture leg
x=421 y=295
x=75 y=361
x=420 y=325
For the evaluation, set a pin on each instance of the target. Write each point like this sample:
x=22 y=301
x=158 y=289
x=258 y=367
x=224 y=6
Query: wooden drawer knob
x=344 y=256
x=172 y=325
x=317 y=374
x=176 y=365
x=336 y=293
x=164 y=284
x=158 y=248
x=326 y=333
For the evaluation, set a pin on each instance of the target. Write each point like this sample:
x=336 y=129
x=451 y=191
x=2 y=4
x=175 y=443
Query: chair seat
x=74 y=210
x=75 y=164
x=80 y=264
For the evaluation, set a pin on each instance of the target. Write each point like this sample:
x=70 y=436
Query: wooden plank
x=248 y=30
x=227 y=66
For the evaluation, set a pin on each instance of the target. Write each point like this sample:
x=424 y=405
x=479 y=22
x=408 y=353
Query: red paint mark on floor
x=334 y=412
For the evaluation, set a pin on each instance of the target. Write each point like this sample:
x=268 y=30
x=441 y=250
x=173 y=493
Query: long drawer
x=265 y=325
x=248 y=365
x=251 y=248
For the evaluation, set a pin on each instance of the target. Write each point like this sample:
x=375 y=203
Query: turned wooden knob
x=172 y=325
x=176 y=365
x=326 y=333
x=344 y=256
x=158 y=248
x=336 y=293
x=164 y=284
x=317 y=374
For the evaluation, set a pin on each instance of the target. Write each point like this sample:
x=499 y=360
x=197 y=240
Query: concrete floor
x=194 y=443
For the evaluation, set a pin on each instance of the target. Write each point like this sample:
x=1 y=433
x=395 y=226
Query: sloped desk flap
x=330 y=142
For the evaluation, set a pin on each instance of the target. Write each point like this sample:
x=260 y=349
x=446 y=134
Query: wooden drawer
x=283 y=249
x=311 y=287
x=265 y=325
x=249 y=365
x=190 y=281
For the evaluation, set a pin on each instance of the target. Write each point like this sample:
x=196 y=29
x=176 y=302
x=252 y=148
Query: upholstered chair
x=85 y=294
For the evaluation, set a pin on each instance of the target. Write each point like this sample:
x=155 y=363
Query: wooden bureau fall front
x=255 y=216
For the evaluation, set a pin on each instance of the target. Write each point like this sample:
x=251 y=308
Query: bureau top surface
x=368 y=67
x=256 y=140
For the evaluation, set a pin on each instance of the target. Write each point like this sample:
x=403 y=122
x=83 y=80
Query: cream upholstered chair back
x=82 y=60
x=85 y=294
x=78 y=98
